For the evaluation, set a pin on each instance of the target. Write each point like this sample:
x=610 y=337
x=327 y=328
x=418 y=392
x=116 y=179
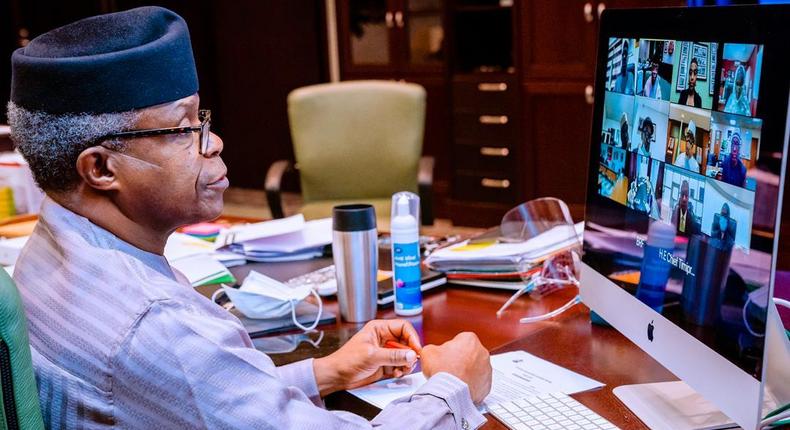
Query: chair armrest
x=425 y=184
x=274 y=179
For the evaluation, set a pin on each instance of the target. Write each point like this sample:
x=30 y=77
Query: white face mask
x=261 y=297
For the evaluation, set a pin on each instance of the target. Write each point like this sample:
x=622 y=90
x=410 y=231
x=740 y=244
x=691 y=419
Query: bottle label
x=406 y=275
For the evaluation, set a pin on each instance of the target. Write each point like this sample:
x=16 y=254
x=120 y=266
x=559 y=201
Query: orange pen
x=396 y=345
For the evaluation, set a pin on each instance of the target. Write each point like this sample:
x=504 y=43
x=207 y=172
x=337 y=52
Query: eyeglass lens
x=205 y=132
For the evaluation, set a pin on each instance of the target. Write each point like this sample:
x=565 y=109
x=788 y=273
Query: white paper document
x=200 y=269
x=520 y=374
x=516 y=374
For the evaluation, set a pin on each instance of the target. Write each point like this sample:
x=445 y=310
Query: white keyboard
x=548 y=412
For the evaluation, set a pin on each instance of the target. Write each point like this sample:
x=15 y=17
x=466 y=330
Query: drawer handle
x=399 y=19
x=588 y=15
x=493 y=119
x=601 y=8
x=495 y=183
x=490 y=151
x=495 y=87
x=588 y=95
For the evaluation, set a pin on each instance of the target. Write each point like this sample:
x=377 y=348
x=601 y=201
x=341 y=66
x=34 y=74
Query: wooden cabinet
x=557 y=121
x=403 y=40
x=391 y=37
x=510 y=91
x=560 y=39
x=558 y=67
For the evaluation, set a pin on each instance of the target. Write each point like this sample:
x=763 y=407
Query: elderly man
x=105 y=110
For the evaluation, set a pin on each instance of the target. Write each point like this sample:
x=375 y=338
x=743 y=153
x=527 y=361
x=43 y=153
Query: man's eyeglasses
x=204 y=130
x=692 y=71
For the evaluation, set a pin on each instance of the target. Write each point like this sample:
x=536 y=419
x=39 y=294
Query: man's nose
x=215 y=146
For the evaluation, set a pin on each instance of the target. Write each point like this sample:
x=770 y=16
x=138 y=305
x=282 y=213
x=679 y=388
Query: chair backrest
x=19 y=407
x=357 y=139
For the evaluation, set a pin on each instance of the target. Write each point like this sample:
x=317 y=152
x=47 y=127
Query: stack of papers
x=500 y=264
x=196 y=260
x=517 y=374
x=202 y=269
x=290 y=240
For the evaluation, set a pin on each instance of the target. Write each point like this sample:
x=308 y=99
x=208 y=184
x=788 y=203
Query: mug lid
x=356 y=217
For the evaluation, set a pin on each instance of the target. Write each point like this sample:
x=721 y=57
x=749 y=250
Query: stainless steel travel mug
x=355 y=251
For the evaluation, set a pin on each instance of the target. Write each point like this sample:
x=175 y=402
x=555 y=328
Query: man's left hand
x=364 y=359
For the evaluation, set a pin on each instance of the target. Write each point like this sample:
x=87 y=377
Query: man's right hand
x=463 y=357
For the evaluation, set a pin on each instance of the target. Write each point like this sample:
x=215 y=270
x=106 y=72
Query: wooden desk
x=569 y=340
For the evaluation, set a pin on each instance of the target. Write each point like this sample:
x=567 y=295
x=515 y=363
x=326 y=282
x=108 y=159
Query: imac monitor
x=684 y=195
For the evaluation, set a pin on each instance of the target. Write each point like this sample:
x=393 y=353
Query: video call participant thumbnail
x=617 y=120
x=689 y=137
x=682 y=202
x=612 y=181
x=644 y=191
x=724 y=227
x=655 y=68
x=690 y=96
x=733 y=171
x=740 y=78
x=691 y=74
x=736 y=140
x=650 y=132
x=620 y=67
x=727 y=213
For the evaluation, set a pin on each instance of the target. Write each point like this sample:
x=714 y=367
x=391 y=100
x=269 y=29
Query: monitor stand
x=672 y=406
x=676 y=406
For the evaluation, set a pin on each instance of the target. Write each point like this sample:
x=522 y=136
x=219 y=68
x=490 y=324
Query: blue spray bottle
x=655 y=265
x=406 y=253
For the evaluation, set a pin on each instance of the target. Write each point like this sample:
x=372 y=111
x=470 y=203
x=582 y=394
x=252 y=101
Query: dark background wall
x=250 y=54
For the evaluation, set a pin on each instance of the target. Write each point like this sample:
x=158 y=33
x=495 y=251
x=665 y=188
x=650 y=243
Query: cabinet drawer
x=484 y=127
x=487 y=188
x=496 y=96
x=498 y=159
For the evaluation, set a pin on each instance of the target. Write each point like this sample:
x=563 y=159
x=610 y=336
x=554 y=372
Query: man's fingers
x=394 y=357
x=399 y=330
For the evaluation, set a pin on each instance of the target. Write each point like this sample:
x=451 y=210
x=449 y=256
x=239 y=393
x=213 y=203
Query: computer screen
x=681 y=209
x=685 y=184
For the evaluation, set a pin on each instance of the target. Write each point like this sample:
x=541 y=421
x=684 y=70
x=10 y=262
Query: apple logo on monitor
x=650 y=328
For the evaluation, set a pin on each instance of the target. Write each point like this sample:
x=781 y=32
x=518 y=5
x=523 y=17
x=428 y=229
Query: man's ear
x=98 y=166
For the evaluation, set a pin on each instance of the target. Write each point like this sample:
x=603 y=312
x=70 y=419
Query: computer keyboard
x=548 y=412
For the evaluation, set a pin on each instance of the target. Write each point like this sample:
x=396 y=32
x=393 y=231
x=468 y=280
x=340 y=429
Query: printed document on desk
x=516 y=374
x=314 y=234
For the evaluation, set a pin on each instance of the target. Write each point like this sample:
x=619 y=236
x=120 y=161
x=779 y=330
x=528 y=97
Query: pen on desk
x=396 y=345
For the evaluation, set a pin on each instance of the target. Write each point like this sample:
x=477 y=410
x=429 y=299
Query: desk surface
x=569 y=340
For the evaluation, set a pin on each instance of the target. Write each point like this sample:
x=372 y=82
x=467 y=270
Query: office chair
x=18 y=391
x=355 y=142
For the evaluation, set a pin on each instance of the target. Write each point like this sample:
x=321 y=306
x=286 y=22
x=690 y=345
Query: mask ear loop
x=316 y=343
x=317 y=317
x=216 y=294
